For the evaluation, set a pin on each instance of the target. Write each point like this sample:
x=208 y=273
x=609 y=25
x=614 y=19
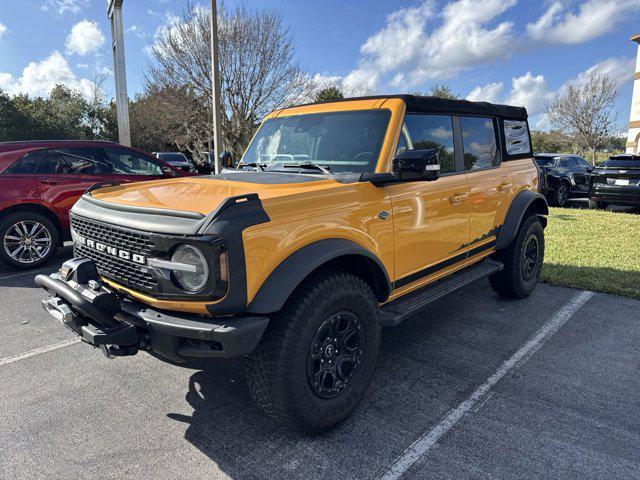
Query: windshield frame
x=390 y=115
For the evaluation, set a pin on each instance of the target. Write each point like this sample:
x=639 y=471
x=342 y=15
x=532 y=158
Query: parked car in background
x=563 y=176
x=41 y=180
x=616 y=181
x=177 y=159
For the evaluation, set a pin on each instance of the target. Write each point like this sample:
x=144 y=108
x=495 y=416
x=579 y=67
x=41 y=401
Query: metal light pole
x=114 y=12
x=215 y=86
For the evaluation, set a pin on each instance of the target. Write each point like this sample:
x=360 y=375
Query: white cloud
x=409 y=50
x=137 y=31
x=39 y=78
x=85 y=38
x=489 y=93
x=592 y=19
x=62 y=6
x=3 y=30
x=532 y=91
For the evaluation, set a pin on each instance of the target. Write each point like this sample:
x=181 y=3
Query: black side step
x=396 y=311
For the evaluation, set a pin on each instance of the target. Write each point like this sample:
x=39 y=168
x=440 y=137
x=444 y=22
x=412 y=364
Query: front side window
x=341 y=141
x=433 y=131
x=127 y=162
x=72 y=161
x=479 y=142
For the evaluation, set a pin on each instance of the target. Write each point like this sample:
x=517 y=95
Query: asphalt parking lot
x=476 y=387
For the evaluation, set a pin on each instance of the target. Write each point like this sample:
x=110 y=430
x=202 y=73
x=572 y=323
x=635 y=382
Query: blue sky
x=516 y=51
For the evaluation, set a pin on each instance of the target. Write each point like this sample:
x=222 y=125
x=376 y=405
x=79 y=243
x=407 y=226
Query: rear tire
x=331 y=318
x=27 y=240
x=522 y=261
x=597 y=205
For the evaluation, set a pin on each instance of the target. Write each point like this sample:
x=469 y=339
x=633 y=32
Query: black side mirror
x=168 y=172
x=417 y=165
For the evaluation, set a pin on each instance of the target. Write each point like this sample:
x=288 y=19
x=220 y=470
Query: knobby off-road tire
x=330 y=322
x=522 y=261
x=27 y=240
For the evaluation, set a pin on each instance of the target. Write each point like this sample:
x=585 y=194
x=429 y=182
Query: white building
x=633 y=140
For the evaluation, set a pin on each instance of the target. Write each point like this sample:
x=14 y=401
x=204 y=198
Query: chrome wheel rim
x=563 y=194
x=27 y=241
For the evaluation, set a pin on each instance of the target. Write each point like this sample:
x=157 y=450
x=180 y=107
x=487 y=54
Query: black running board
x=396 y=311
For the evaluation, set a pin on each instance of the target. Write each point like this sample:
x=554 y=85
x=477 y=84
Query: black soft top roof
x=419 y=104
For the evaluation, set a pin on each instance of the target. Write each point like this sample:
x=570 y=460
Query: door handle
x=458 y=197
x=504 y=186
x=46 y=181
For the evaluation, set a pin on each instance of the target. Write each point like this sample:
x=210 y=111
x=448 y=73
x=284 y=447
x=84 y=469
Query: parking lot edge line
x=31 y=272
x=426 y=441
x=38 y=351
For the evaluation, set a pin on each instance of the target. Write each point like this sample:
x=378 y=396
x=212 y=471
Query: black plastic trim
x=425 y=272
x=144 y=210
x=291 y=272
x=515 y=215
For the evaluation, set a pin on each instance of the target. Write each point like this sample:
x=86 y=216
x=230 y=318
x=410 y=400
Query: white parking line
x=426 y=441
x=30 y=272
x=38 y=351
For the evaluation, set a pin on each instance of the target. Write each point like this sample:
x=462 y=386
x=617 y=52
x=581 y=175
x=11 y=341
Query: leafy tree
x=586 y=112
x=328 y=94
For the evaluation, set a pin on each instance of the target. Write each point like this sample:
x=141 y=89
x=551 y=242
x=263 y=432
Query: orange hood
x=202 y=194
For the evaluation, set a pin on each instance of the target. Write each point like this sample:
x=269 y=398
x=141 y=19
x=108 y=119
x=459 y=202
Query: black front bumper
x=618 y=195
x=123 y=327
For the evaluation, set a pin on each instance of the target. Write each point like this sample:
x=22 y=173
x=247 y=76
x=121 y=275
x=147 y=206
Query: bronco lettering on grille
x=109 y=250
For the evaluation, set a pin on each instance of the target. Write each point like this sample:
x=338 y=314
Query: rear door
x=581 y=174
x=64 y=174
x=490 y=181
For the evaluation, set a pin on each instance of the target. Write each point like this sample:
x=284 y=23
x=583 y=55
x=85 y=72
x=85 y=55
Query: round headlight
x=191 y=281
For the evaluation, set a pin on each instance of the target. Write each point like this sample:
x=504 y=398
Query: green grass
x=593 y=250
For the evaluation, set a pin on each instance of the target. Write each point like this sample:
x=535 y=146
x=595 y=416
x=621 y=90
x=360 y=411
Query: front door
x=430 y=218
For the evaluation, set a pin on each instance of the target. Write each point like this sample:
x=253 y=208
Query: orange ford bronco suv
x=341 y=218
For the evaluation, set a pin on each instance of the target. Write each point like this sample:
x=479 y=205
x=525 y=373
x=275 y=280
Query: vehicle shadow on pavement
x=427 y=366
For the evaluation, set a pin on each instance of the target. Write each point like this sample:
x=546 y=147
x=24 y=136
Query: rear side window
x=433 y=131
x=479 y=142
x=72 y=161
x=26 y=165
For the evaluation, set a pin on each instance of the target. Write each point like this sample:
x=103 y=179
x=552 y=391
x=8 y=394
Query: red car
x=41 y=180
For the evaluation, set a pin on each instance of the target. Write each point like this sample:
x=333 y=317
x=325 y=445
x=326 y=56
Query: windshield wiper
x=259 y=166
x=324 y=170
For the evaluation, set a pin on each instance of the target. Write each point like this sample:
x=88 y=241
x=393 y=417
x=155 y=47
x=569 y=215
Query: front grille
x=121 y=271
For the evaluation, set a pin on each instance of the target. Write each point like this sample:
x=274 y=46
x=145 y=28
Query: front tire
x=561 y=194
x=316 y=359
x=27 y=240
x=522 y=261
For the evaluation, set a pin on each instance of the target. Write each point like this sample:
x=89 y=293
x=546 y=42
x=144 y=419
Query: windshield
x=341 y=141
x=545 y=161
x=173 y=157
x=622 y=162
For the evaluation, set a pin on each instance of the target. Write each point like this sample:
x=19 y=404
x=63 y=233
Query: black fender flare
x=524 y=202
x=286 y=277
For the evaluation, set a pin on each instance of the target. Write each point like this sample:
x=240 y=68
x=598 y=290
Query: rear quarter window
x=516 y=136
x=25 y=165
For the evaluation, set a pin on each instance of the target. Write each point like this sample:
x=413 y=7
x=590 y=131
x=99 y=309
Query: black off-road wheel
x=522 y=261
x=316 y=359
x=27 y=240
